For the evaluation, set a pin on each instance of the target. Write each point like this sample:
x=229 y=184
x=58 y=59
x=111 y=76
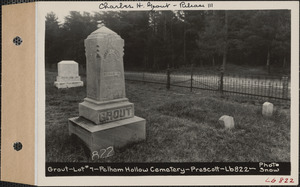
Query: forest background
x=155 y=40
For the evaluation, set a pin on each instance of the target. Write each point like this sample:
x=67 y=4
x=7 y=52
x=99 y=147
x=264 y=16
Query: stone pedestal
x=106 y=117
x=116 y=134
x=104 y=112
x=67 y=75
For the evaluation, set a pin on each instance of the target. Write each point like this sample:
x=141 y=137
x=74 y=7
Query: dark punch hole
x=18 y=146
x=17 y=40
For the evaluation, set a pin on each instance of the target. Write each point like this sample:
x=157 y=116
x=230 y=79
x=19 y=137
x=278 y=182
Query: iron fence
x=272 y=87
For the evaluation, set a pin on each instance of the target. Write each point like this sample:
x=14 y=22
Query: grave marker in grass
x=227 y=122
x=267 y=109
x=67 y=75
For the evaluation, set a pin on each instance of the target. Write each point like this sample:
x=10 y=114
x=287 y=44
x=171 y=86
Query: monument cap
x=67 y=62
x=100 y=24
x=102 y=31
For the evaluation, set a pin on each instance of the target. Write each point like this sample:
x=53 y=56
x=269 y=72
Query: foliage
x=52 y=39
x=156 y=39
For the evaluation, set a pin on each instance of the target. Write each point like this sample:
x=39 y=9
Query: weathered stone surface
x=67 y=75
x=68 y=84
x=226 y=121
x=67 y=79
x=105 y=112
x=105 y=71
x=106 y=116
x=114 y=134
x=67 y=68
x=106 y=100
x=267 y=109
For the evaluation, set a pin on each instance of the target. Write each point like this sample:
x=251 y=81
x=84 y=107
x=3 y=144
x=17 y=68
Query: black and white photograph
x=150 y=93
x=167 y=87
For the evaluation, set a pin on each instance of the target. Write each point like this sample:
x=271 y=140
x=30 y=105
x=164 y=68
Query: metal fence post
x=269 y=89
x=168 y=78
x=221 y=80
x=285 y=87
x=192 y=74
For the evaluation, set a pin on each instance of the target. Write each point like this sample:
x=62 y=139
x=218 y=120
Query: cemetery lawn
x=181 y=126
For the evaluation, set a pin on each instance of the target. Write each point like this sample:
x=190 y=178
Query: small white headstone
x=226 y=121
x=267 y=109
x=67 y=75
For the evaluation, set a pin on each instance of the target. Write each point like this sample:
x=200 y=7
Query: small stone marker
x=267 y=109
x=67 y=75
x=106 y=117
x=226 y=121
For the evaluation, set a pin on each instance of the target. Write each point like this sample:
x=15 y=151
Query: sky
x=64 y=9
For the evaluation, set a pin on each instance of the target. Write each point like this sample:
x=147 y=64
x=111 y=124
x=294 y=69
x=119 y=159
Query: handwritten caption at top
x=153 y=5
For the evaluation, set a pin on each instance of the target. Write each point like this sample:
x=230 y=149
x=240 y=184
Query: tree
x=268 y=28
x=52 y=32
x=213 y=38
x=133 y=27
x=156 y=39
x=75 y=30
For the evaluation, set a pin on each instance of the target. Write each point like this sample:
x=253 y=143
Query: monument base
x=106 y=111
x=68 y=84
x=110 y=135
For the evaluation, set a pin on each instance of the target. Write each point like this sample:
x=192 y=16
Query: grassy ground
x=181 y=127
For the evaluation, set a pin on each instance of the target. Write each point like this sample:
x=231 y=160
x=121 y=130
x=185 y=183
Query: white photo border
x=44 y=7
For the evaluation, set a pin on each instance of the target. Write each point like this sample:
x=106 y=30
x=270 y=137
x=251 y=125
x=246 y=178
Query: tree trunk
x=284 y=62
x=172 y=42
x=154 y=63
x=268 y=60
x=165 y=28
x=145 y=61
x=225 y=42
x=184 y=45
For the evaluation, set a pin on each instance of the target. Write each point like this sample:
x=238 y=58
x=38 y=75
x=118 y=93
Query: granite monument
x=106 y=117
